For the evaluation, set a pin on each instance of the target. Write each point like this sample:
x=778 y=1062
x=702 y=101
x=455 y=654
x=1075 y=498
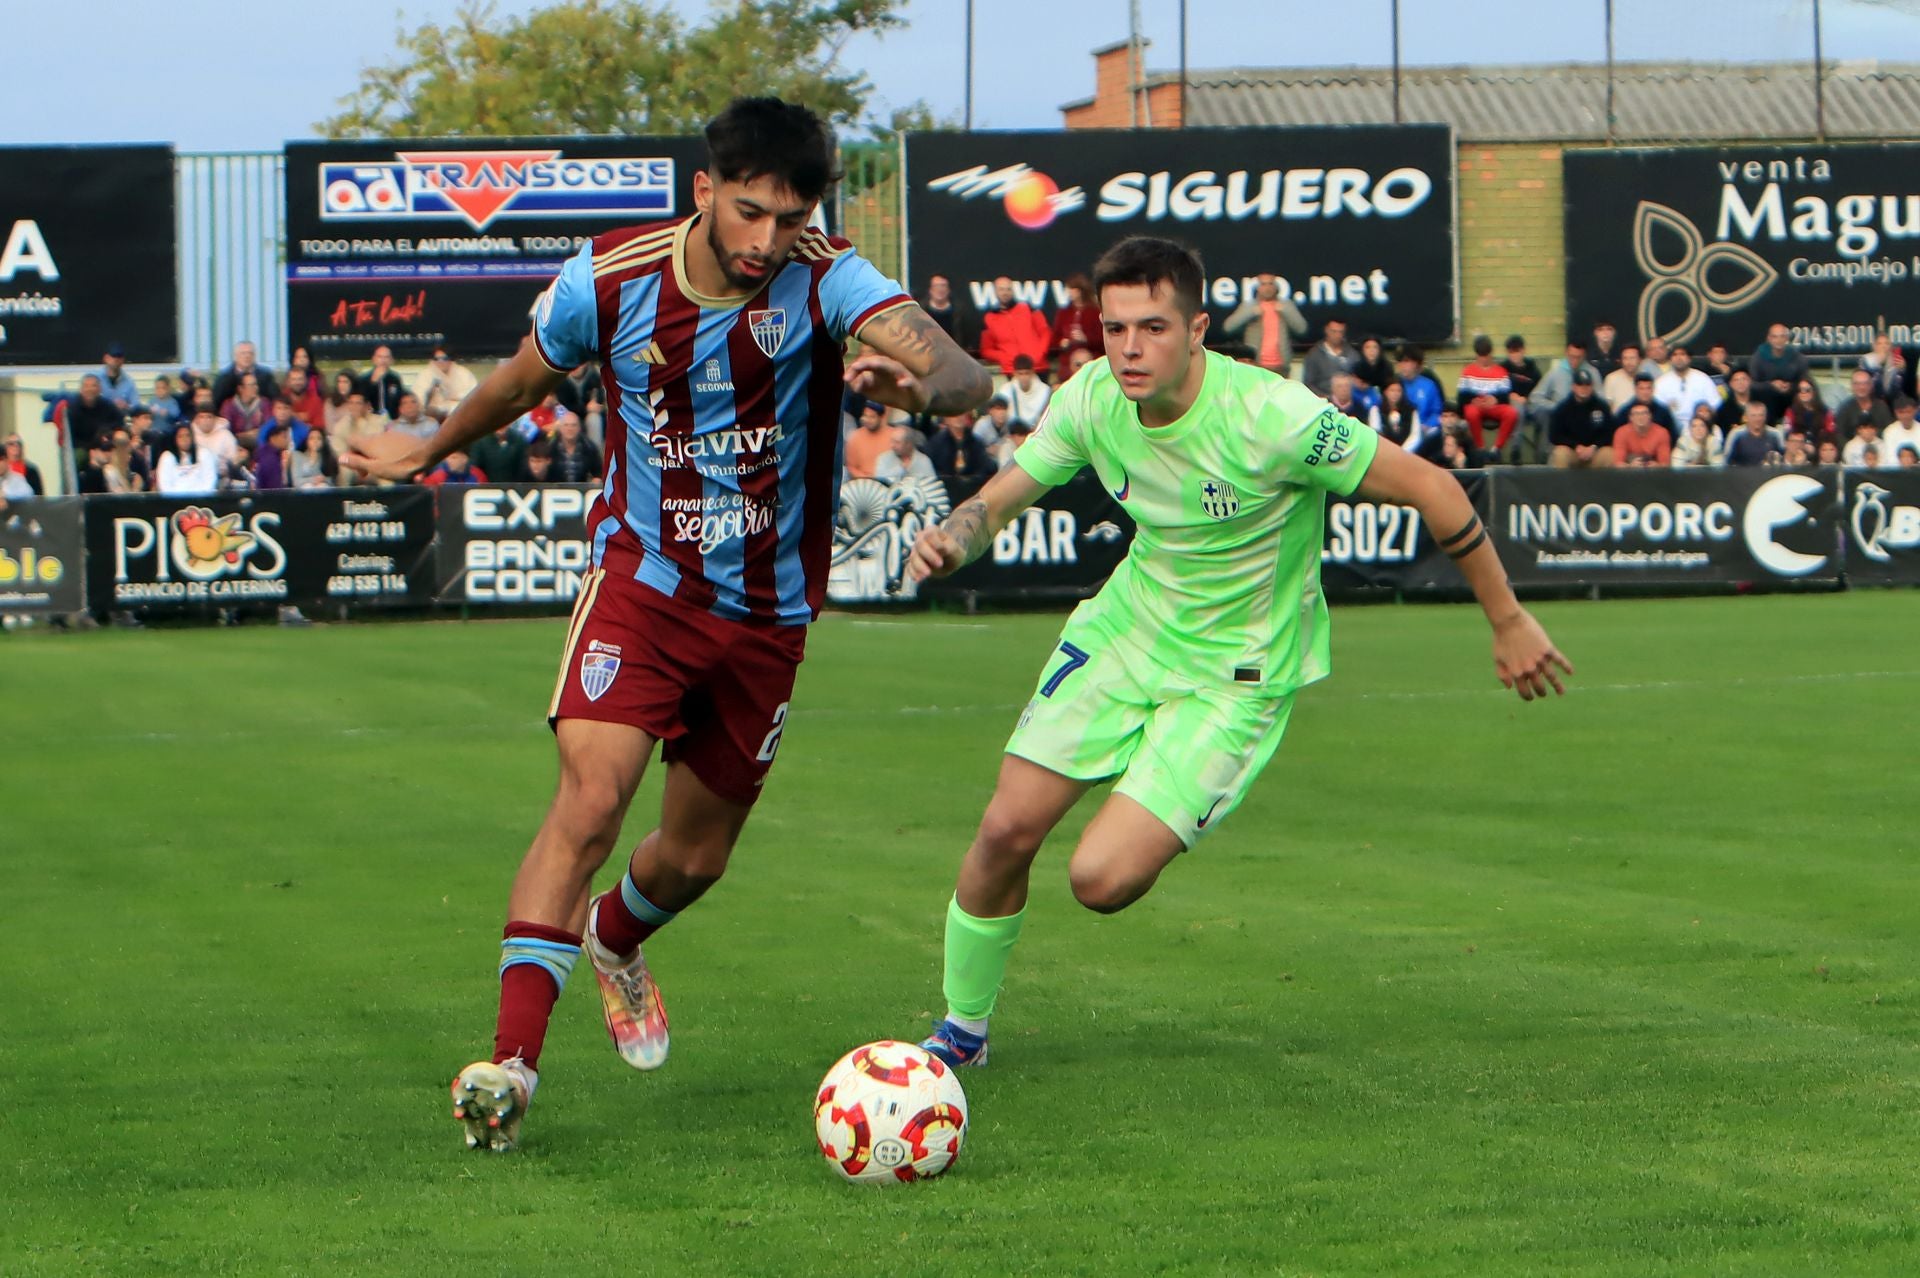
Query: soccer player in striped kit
x=719 y=338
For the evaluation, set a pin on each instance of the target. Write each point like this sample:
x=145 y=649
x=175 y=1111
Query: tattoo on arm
x=905 y=333
x=968 y=526
x=953 y=382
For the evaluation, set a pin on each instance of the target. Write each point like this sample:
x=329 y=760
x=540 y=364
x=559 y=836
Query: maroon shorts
x=713 y=691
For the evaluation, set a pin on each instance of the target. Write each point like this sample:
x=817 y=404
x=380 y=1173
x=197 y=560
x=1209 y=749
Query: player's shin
x=535 y=961
x=977 y=950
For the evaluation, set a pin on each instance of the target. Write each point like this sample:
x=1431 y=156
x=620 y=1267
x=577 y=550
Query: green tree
x=610 y=66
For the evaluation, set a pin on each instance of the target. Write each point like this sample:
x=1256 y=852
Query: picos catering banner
x=86 y=254
x=42 y=568
x=513 y=543
x=360 y=546
x=1882 y=520
x=1703 y=244
x=1667 y=527
x=1357 y=221
x=413 y=243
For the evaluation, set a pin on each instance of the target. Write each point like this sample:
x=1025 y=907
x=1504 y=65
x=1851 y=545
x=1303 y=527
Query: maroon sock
x=619 y=926
x=537 y=958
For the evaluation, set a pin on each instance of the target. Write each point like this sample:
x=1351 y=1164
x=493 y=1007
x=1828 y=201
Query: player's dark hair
x=1149 y=260
x=766 y=137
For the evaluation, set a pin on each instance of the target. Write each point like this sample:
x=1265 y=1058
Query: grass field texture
x=1623 y=984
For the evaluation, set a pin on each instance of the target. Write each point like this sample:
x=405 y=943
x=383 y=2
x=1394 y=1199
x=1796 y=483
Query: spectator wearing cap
x=1580 y=432
x=1268 y=322
x=1777 y=367
x=270 y=468
x=90 y=414
x=444 y=384
x=381 y=384
x=1601 y=352
x=1617 y=387
x=1557 y=386
x=904 y=460
x=1329 y=356
x=1482 y=397
x=1643 y=383
x=116 y=383
x=1682 y=386
x=1012 y=329
x=1002 y=453
x=956 y=452
x=1862 y=408
x=1025 y=393
x=868 y=442
x=93 y=475
x=245 y=360
x=1902 y=431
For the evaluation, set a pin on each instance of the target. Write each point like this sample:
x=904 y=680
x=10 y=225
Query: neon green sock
x=977 y=951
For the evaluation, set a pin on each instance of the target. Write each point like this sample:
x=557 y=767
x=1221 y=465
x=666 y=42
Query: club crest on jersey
x=769 y=328
x=598 y=666
x=1219 y=499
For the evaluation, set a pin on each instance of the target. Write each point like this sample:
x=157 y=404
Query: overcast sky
x=188 y=72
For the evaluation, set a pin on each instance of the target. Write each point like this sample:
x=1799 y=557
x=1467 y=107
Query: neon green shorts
x=1188 y=755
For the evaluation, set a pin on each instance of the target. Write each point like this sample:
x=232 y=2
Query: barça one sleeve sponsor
x=1315 y=444
x=566 y=319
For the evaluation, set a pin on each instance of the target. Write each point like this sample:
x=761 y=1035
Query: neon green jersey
x=1222 y=583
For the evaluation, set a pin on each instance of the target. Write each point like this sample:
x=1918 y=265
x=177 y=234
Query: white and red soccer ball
x=890 y=1112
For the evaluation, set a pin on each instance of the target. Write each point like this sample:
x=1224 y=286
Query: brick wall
x=1512 y=260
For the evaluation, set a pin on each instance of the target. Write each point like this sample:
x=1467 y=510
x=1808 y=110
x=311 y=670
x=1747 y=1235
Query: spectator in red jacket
x=1012 y=329
x=1484 y=390
x=1642 y=441
x=1077 y=326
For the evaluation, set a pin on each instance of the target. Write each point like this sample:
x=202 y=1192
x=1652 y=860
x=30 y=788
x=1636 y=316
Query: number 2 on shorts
x=1075 y=659
x=771 y=745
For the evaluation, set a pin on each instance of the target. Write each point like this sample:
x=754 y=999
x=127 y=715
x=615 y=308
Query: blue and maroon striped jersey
x=723 y=414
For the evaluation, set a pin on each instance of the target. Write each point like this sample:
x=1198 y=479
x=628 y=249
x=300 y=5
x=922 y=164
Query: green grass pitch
x=1622 y=984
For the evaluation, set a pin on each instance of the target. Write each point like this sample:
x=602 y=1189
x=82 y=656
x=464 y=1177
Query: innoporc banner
x=86 y=254
x=42 y=568
x=1633 y=526
x=1358 y=221
x=1694 y=245
x=513 y=543
x=358 y=546
x=1882 y=521
x=449 y=241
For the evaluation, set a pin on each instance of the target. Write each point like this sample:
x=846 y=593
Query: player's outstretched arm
x=969 y=530
x=1523 y=656
x=918 y=368
x=510 y=390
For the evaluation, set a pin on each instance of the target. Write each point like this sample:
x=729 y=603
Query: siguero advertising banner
x=42 y=567
x=449 y=241
x=358 y=546
x=1357 y=221
x=86 y=254
x=1697 y=244
x=1667 y=527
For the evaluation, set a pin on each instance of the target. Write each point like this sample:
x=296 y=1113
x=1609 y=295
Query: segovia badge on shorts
x=597 y=669
x=1218 y=498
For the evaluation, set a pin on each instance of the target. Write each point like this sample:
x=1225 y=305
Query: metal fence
x=232 y=232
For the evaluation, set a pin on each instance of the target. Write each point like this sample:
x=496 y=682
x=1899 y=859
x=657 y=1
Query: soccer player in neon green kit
x=1178 y=677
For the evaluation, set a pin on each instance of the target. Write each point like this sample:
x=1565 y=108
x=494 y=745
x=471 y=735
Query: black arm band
x=1469 y=548
x=1466 y=530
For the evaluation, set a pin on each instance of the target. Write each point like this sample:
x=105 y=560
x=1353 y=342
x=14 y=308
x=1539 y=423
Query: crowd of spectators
x=251 y=428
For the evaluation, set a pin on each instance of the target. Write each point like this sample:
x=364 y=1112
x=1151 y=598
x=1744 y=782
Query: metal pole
x=1184 y=122
x=1135 y=72
x=1610 y=117
x=1819 y=80
x=1396 y=61
x=969 y=63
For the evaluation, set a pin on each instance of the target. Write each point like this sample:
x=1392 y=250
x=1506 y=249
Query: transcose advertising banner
x=1694 y=245
x=86 y=254
x=448 y=241
x=359 y=546
x=1357 y=221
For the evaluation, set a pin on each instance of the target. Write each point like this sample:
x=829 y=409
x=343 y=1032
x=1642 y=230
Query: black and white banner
x=421 y=242
x=1700 y=244
x=42 y=566
x=1667 y=527
x=513 y=544
x=1370 y=545
x=86 y=254
x=357 y=546
x=1358 y=221
x=1882 y=519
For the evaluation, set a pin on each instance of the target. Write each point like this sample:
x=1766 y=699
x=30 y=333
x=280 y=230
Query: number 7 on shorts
x=1075 y=659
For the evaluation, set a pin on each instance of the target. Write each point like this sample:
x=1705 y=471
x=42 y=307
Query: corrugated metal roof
x=1653 y=101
